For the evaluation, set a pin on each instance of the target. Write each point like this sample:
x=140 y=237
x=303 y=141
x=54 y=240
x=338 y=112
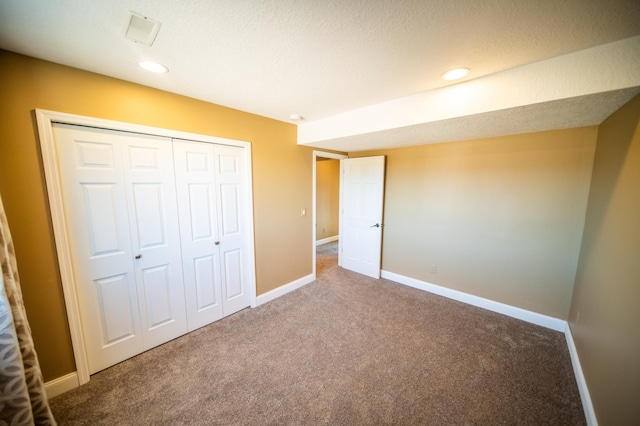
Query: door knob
x=377 y=225
x=139 y=256
x=217 y=243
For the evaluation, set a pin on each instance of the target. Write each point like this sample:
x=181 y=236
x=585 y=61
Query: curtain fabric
x=23 y=400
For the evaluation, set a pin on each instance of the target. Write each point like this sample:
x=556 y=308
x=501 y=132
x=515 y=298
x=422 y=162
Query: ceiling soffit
x=591 y=84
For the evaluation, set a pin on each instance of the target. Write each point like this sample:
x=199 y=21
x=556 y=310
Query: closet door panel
x=117 y=324
x=156 y=282
x=206 y=270
x=230 y=175
x=101 y=206
x=233 y=274
x=95 y=205
x=149 y=208
x=153 y=218
x=201 y=212
x=230 y=210
x=195 y=182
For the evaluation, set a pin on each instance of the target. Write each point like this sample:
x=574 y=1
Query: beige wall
x=281 y=180
x=605 y=314
x=327 y=198
x=500 y=218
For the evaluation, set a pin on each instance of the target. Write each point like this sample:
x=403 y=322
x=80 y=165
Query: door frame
x=333 y=156
x=45 y=121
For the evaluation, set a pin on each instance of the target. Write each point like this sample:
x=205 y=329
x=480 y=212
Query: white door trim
x=45 y=120
x=322 y=154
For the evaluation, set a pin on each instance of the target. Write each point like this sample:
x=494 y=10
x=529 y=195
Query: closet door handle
x=217 y=243
x=139 y=256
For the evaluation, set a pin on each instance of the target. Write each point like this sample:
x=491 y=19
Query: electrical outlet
x=434 y=269
x=578 y=317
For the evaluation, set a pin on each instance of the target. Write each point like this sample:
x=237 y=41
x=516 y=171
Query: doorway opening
x=326 y=210
x=326 y=257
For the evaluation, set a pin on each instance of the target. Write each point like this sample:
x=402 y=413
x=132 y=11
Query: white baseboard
x=519 y=313
x=587 y=406
x=501 y=308
x=327 y=240
x=284 y=289
x=62 y=384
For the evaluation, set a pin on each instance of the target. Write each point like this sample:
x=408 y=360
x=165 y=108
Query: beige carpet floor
x=343 y=350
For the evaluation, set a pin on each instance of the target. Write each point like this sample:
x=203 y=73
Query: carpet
x=343 y=350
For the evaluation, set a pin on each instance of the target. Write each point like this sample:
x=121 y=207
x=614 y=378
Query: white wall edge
x=284 y=289
x=61 y=385
x=490 y=305
x=587 y=405
x=327 y=240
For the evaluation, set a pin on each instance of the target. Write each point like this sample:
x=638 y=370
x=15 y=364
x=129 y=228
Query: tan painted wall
x=500 y=218
x=327 y=198
x=281 y=180
x=607 y=289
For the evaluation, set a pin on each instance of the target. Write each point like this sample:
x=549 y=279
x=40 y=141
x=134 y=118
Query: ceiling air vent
x=141 y=29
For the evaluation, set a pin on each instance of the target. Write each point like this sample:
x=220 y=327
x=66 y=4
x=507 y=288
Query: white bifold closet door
x=122 y=220
x=211 y=187
x=158 y=236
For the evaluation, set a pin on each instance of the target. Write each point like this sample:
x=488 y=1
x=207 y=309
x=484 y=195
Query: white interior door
x=155 y=236
x=362 y=201
x=121 y=216
x=233 y=227
x=197 y=195
x=95 y=206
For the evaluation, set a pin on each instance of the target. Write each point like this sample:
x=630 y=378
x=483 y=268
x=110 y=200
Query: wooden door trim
x=45 y=121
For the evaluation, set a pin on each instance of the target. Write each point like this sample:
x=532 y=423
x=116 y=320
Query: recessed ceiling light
x=296 y=117
x=153 y=67
x=456 y=74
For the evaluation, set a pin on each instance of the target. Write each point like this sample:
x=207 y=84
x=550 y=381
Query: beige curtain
x=22 y=396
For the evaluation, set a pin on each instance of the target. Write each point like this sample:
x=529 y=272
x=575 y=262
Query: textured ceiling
x=314 y=58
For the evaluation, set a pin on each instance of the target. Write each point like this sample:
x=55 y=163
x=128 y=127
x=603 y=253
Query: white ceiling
x=326 y=59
